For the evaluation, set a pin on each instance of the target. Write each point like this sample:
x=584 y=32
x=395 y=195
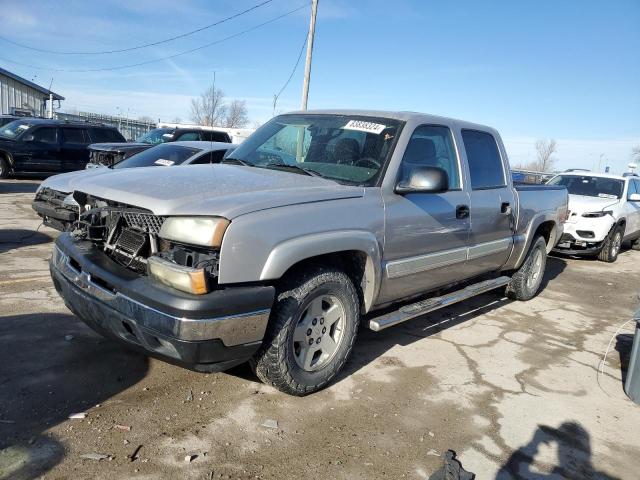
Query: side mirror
x=634 y=197
x=28 y=138
x=424 y=180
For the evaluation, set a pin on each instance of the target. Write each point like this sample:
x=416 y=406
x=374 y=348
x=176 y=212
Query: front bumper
x=53 y=216
x=210 y=332
x=569 y=245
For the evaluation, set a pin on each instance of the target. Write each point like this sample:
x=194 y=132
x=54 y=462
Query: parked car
x=109 y=154
x=275 y=262
x=44 y=146
x=604 y=213
x=59 y=212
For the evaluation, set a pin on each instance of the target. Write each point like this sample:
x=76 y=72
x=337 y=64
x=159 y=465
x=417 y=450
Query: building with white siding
x=17 y=93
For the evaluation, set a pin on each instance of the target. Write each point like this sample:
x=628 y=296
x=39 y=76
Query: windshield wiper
x=298 y=168
x=237 y=161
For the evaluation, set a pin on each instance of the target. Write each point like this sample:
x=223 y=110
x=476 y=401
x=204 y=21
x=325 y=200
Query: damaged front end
x=57 y=209
x=140 y=241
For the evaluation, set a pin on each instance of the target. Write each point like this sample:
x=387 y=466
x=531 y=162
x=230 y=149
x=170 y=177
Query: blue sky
x=568 y=70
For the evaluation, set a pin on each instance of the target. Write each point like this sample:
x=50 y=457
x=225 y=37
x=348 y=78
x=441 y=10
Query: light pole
x=307 y=65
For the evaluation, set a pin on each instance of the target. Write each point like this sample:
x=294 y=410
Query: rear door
x=42 y=152
x=492 y=202
x=75 y=153
x=426 y=234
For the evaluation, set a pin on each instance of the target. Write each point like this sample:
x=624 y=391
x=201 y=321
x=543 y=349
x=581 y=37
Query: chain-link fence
x=131 y=129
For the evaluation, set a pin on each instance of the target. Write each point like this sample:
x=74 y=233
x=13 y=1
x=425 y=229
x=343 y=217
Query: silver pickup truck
x=307 y=230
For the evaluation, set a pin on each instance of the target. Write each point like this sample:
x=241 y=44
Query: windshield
x=15 y=128
x=345 y=148
x=589 y=186
x=161 y=155
x=155 y=136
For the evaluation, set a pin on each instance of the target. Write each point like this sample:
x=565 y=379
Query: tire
x=286 y=360
x=526 y=281
x=611 y=246
x=635 y=244
x=4 y=168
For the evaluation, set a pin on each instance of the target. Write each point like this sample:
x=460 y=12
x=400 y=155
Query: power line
x=132 y=65
x=138 y=47
x=295 y=67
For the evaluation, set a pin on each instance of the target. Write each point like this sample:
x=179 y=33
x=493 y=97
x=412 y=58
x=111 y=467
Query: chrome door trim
x=423 y=263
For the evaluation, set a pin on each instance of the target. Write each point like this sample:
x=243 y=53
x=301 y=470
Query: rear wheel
x=611 y=247
x=4 y=168
x=311 y=331
x=526 y=282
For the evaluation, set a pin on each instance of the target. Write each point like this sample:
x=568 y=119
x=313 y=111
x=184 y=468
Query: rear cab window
x=485 y=163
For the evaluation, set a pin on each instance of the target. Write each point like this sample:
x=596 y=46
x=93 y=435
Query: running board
x=407 y=312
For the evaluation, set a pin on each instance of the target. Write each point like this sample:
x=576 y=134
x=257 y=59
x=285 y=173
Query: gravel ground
x=511 y=387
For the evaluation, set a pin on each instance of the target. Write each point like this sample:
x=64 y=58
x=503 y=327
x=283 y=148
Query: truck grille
x=147 y=222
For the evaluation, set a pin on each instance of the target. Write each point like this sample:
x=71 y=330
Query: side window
x=637 y=182
x=105 y=135
x=46 y=135
x=485 y=165
x=202 y=159
x=189 y=136
x=633 y=187
x=432 y=146
x=74 y=135
x=211 y=136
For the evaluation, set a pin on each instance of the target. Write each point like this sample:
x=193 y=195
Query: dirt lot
x=512 y=387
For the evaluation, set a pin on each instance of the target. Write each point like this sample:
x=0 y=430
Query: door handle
x=505 y=208
x=462 y=211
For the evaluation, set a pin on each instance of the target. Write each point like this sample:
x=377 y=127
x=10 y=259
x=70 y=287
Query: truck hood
x=216 y=190
x=581 y=204
x=65 y=182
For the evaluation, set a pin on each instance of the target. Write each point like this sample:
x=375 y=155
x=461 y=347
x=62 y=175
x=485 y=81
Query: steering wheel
x=367 y=162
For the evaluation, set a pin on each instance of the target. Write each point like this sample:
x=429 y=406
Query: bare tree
x=176 y=120
x=209 y=109
x=545 y=149
x=635 y=153
x=237 y=114
x=145 y=119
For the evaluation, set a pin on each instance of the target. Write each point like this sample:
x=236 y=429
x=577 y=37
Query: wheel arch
x=544 y=224
x=356 y=252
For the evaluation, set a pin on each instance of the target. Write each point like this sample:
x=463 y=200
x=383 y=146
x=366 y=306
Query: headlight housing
x=202 y=231
x=186 y=279
x=597 y=214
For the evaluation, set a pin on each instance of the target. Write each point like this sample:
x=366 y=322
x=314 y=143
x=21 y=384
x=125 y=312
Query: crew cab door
x=426 y=234
x=75 y=153
x=492 y=205
x=41 y=150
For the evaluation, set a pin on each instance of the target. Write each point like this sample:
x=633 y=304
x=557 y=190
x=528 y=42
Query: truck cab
x=316 y=223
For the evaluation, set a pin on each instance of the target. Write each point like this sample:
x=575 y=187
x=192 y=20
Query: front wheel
x=311 y=331
x=4 y=168
x=611 y=247
x=526 y=281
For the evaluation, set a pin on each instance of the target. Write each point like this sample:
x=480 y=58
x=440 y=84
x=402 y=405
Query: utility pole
x=307 y=66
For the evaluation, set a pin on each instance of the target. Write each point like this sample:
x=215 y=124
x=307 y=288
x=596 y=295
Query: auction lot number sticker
x=362 y=126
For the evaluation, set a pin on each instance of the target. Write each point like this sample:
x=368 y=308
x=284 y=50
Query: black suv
x=109 y=154
x=44 y=146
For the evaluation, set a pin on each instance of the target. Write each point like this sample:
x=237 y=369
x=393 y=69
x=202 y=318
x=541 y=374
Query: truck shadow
x=12 y=238
x=52 y=366
x=372 y=345
x=573 y=455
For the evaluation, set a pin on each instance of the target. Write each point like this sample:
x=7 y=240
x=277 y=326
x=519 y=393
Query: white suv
x=604 y=212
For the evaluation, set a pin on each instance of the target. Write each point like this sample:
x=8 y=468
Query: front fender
x=293 y=251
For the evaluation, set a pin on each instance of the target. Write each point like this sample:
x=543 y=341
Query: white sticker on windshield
x=607 y=195
x=368 y=127
x=166 y=163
